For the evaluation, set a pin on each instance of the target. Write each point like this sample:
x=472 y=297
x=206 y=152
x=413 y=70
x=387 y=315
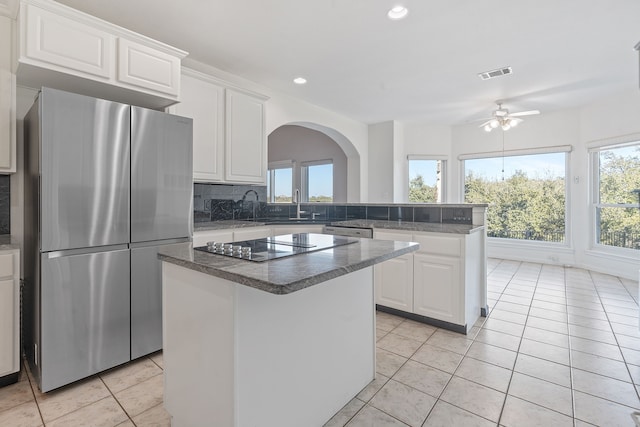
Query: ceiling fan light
x=506 y=126
x=397 y=12
x=514 y=123
x=487 y=128
x=494 y=123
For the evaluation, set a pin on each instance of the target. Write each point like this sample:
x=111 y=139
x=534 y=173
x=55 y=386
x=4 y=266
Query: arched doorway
x=301 y=145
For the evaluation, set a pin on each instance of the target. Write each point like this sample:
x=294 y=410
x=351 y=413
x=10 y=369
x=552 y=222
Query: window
x=317 y=181
x=280 y=182
x=616 y=213
x=425 y=179
x=526 y=193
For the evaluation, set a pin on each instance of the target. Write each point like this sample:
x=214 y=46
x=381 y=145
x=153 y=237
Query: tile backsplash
x=216 y=202
x=5 y=204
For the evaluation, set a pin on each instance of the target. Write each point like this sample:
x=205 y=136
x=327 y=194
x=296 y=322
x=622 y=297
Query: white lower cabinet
x=441 y=281
x=436 y=292
x=277 y=230
x=394 y=283
x=9 y=312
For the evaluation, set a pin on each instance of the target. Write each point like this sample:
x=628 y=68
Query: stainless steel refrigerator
x=106 y=184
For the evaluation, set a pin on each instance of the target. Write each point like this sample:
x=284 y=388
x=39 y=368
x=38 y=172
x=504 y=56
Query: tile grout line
x=626 y=364
x=506 y=393
x=33 y=393
x=117 y=401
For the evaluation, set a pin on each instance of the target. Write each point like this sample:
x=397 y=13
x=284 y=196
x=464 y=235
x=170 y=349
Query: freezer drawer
x=146 y=301
x=161 y=175
x=85 y=316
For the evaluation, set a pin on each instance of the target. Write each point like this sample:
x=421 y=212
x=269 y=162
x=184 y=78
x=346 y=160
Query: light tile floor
x=560 y=347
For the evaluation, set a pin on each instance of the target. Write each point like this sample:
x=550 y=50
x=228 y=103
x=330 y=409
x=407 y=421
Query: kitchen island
x=285 y=342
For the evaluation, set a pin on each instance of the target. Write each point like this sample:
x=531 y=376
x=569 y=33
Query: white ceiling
x=564 y=53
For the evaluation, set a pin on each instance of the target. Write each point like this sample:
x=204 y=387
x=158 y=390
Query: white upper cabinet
x=70 y=50
x=144 y=67
x=7 y=101
x=229 y=140
x=245 y=139
x=65 y=44
x=202 y=99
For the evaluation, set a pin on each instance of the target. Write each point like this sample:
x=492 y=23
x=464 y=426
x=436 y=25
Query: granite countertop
x=225 y=224
x=7 y=243
x=428 y=227
x=290 y=274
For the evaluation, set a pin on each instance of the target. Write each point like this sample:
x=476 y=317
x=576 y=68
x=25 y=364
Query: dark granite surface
x=286 y=275
x=357 y=223
x=427 y=227
x=5 y=204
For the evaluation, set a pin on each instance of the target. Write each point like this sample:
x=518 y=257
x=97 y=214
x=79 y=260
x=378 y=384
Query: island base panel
x=265 y=359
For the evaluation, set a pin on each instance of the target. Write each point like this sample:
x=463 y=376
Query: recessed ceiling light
x=397 y=12
x=299 y=80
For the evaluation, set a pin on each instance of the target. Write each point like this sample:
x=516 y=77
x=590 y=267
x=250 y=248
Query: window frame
x=304 y=178
x=443 y=173
x=271 y=167
x=594 y=149
x=567 y=150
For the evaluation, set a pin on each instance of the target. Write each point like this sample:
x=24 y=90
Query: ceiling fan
x=501 y=117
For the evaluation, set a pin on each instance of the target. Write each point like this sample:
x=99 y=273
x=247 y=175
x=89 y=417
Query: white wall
x=300 y=144
x=608 y=118
x=381 y=164
x=281 y=109
x=420 y=138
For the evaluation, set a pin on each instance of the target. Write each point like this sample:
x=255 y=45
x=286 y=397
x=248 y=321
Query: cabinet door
x=245 y=141
x=203 y=101
x=278 y=230
x=394 y=283
x=8 y=327
x=437 y=288
x=7 y=100
x=147 y=68
x=200 y=238
x=251 y=233
x=70 y=46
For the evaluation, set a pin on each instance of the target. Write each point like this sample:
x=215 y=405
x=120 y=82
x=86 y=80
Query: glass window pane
x=425 y=181
x=526 y=195
x=282 y=184
x=618 y=227
x=320 y=183
x=619 y=175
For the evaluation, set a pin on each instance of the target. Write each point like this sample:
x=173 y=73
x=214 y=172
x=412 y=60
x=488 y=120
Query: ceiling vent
x=495 y=73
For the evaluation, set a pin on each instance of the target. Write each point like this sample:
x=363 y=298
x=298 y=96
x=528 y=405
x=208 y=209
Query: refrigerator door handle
x=71 y=252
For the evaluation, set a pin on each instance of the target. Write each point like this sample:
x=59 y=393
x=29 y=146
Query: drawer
x=439 y=245
x=6 y=265
x=389 y=235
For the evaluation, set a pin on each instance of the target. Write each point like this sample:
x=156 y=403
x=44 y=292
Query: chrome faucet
x=296 y=200
x=253 y=205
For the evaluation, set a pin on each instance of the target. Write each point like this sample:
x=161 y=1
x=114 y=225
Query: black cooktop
x=285 y=245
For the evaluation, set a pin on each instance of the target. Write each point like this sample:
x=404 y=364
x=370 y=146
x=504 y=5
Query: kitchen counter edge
x=8 y=243
x=428 y=227
x=290 y=274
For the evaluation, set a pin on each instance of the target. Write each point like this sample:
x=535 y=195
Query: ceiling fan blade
x=485 y=123
x=525 y=113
